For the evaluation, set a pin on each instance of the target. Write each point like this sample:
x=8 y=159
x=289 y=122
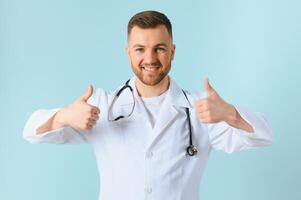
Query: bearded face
x=150 y=52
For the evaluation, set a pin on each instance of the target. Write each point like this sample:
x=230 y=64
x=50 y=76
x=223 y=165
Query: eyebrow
x=140 y=45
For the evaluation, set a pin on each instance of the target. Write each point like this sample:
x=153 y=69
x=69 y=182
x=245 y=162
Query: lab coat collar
x=175 y=95
x=174 y=101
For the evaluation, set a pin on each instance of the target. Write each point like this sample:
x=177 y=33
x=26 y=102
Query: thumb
x=87 y=94
x=209 y=89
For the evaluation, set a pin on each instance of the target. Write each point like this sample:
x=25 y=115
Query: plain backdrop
x=50 y=50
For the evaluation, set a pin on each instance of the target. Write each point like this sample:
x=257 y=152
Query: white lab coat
x=136 y=161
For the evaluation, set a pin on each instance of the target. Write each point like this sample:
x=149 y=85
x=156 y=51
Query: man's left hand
x=214 y=109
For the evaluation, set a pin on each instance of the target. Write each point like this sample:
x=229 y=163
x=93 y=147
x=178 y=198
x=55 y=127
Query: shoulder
x=195 y=95
x=100 y=97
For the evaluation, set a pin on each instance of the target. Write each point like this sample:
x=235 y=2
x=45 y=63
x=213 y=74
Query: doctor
x=140 y=136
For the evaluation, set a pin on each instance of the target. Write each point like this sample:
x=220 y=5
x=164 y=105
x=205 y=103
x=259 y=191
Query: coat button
x=148 y=190
x=149 y=154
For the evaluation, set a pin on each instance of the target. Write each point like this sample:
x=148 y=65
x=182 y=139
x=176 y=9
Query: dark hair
x=149 y=19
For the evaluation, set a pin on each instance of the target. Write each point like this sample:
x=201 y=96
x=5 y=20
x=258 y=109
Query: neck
x=152 y=90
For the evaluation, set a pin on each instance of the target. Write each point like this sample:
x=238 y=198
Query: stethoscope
x=191 y=150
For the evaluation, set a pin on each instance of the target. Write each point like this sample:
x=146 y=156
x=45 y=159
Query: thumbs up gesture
x=79 y=114
x=213 y=108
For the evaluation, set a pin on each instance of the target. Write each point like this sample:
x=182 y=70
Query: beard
x=151 y=79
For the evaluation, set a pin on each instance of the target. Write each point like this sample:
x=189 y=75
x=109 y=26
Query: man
x=141 y=133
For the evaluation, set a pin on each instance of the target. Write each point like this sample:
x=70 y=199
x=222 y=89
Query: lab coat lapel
x=139 y=112
x=169 y=111
x=167 y=115
x=142 y=112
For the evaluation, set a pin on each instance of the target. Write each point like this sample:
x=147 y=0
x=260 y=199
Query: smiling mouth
x=151 y=69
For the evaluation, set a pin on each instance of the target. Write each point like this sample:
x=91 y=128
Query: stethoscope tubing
x=191 y=150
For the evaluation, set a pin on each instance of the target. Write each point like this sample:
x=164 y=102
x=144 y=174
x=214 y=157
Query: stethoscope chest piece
x=191 y=150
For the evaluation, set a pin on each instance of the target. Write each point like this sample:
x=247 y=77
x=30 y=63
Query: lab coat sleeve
x=63 y=135
x=230 y=139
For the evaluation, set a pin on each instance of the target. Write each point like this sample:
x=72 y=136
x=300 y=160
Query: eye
x=160 y=50
x=139 y=50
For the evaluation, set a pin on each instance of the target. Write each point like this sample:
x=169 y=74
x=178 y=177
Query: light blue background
x=50 y=50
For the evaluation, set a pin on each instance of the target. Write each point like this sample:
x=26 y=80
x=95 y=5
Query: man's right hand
x=78 y=115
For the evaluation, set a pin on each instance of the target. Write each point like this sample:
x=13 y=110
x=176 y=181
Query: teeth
x=151 y=69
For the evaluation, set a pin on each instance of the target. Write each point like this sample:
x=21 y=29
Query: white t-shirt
x=153 y=106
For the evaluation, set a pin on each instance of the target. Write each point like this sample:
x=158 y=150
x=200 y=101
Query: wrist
x=59 y=119
x=231 y=115
x=235 y=120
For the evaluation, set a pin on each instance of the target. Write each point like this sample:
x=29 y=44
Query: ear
x=173 y=51
x=127 y=49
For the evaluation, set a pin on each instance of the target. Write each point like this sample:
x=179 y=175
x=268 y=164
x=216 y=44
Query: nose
x=150 y=57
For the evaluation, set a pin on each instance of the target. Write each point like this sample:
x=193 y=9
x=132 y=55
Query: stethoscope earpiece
x=191 y=150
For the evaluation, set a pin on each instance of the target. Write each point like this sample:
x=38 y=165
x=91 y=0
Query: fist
x=213 y=108
x=80 y=114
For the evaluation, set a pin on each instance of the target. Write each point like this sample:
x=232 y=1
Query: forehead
x=149 y=36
